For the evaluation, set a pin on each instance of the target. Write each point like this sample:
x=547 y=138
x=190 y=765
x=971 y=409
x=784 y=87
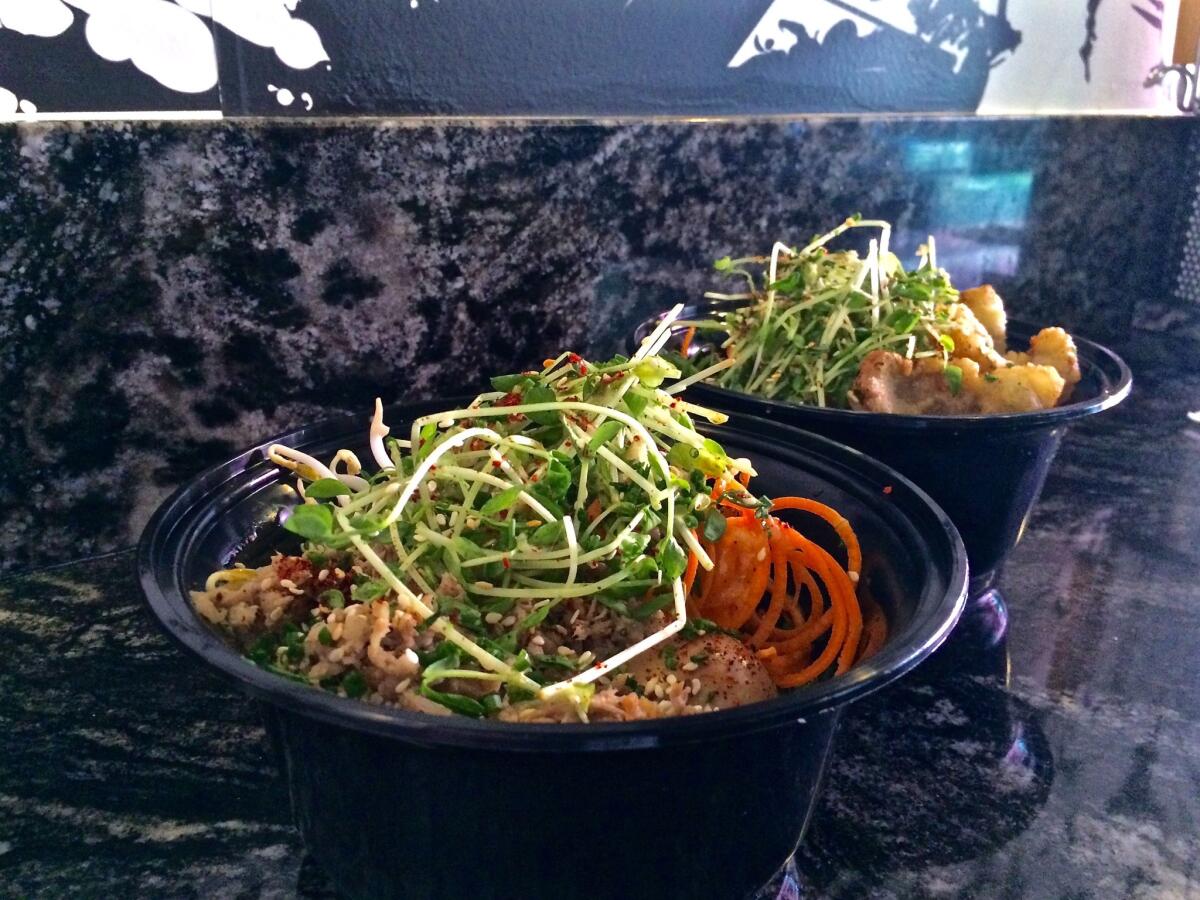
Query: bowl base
x=978 y=642
x=785 y=885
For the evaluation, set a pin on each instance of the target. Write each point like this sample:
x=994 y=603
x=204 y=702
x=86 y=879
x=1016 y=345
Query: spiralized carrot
x=779 y=595
x=741 y=577
x=794 y=603
x=834 y=518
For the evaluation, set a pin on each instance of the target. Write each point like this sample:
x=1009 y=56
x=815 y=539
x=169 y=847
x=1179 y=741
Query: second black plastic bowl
x=985 y=471
x=400 y=804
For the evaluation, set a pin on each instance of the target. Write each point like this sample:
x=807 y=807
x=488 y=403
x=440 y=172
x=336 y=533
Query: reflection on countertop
x=1051 y=750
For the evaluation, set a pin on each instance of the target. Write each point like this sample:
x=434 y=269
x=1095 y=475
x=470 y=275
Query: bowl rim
x=1114 y=371
x=160 y=551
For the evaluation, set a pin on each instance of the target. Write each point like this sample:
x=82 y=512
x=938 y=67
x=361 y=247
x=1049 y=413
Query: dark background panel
x=177 y=292
x=604 y=57
x=64 y=74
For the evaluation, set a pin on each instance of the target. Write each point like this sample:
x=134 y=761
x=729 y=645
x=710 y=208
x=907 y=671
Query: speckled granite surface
x=169 y=294
x=1060 y=759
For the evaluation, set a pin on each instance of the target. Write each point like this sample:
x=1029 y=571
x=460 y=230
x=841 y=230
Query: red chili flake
x=533 y=477
x=637 y=437
x=506 y=563
x=887 y=489
x=574 y=357
x=509 y=399
x=566 y=443
x=583 y=368
x=433 y=468
x=496 y=463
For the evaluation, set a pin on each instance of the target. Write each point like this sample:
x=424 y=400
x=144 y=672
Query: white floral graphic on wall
x=171 y=42
x=579 y=57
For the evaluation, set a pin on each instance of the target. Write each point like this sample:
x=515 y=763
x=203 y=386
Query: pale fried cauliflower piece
x=988 y=309
x=1053 y=347
x=1019 y=388
x=971 y=339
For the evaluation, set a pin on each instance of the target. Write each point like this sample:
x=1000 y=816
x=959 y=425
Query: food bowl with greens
x=898 y=363
x=501 y=642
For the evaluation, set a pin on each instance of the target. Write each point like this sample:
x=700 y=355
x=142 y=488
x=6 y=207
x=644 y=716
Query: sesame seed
x=537 y=640
x=440 y=518
x=762 y=554
x=695 y=685
x=509 y=621
x=651 y=685
x=671 y=679
x=322 y=575
x=853 y=576
x=586 y=657
x=492 y=618
x=689 y=666
x=564 y=650
x=484 y=585
x=431 y=485
x=411 y=656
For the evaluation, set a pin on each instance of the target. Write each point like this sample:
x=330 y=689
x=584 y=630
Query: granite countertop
x=1059 y=757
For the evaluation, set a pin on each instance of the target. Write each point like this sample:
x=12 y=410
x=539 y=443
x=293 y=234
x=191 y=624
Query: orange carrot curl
x=790 y=599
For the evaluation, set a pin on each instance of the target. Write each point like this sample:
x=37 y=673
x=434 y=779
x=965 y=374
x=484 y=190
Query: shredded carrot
x=593 y=510
x=779 y=595
x=686 y=344
x=834 y=518
x=739 y=580
x=794 y=603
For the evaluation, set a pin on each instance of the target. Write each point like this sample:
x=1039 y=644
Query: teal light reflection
x=937 y=156
x=995 y=199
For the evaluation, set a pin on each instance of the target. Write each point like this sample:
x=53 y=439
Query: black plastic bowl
x=985 y=471
x=400 y=804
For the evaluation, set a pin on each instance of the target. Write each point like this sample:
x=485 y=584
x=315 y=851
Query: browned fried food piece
x=889 y=383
